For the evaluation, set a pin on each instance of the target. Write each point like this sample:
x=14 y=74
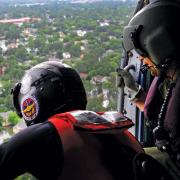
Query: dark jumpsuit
x=21 y=155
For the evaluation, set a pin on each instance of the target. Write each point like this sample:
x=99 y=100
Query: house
x=82 y=48
x=29 y=32
x=3 y=70
x=28 y=50
x=81 y=55
x=3 y=45
x=94 y=92
x=81 y=33
x=102 y=24
x=66 y=55
x=15 y=21
x=61 y=34
x=53 y=58
x=1 y=89
x=112 y=37
x=83 y=75
x=85 y=42
x=108 y=52
x=105 y=93
x=13 y=45
x=105 y=103
x=19 y=21
x=98 y=79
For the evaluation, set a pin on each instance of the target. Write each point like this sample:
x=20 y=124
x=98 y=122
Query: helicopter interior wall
x=128 y=108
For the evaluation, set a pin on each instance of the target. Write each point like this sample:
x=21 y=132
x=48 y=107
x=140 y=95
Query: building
x=3 y=45
x=81 y=33
x=19 y=20
x=83 y=75
x=15 y=21
x=53 y=58
x=99 y=79
x=66 y=55
x=102 y=24
x=3 y=70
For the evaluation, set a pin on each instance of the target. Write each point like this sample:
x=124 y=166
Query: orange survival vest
x=97 y=146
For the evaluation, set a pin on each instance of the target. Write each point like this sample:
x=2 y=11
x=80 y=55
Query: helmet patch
x=29 y=108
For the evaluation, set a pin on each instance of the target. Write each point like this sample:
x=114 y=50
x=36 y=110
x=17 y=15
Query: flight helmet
x=47 y=89
x=154 y=32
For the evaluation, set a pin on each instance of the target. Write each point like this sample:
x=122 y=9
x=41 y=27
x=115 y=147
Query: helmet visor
x=130 y=39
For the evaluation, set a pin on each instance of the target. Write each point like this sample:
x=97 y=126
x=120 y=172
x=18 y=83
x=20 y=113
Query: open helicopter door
x=141 y=129
x=133 y=64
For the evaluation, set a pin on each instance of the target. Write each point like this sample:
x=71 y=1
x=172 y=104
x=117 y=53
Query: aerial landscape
x=89 y=90
x=86 y=34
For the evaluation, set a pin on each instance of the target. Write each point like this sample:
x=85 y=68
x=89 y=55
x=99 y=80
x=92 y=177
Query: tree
x=44 y=50
x=39 y=41
x=59 y=54
x=1 y=51
x=115 y=44
x=21 y=54
x=13 y=33
x=1 y=120
x=26 y=176
x=95 y=104
x=75 y=50
x=55 y=46
x=13 y=118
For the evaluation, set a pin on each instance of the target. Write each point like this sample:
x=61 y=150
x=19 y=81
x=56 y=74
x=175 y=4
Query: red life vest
x=97 y=146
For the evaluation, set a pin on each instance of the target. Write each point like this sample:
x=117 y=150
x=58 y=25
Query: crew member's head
x=47 y=89
x=154 y=33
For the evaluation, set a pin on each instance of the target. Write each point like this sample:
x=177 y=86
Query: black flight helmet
x=47 y=89
x=154 y=32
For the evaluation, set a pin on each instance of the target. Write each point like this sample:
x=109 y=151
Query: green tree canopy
x=13 y=118
x=1 y=120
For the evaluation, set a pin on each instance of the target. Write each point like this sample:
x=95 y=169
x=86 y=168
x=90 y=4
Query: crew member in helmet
x=153 y=33
x=65 y=141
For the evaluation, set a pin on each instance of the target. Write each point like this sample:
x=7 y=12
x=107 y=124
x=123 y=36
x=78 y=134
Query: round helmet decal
x=29 y=108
